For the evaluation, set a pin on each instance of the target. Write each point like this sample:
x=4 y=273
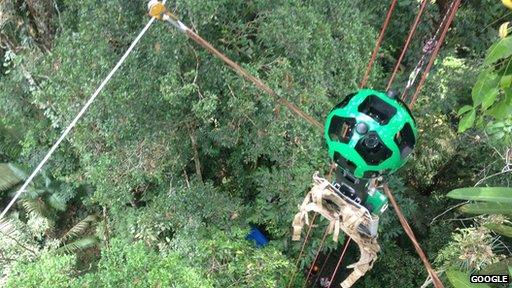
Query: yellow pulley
x=507 y=3
x=156 y=9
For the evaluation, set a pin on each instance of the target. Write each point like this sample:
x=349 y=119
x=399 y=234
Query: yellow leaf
x=503 y=31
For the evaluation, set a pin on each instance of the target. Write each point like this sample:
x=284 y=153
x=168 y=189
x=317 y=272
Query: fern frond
x=79 y=228
x=9 y=176
x=7 y=229
x=56 y=202
x=32 y=193
x=35 y=207
x=78 y=245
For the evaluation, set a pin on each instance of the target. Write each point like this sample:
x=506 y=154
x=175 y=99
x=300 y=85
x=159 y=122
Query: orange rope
x=316 y=256
x=347 y=242
x=378 y=43
x=256 y=81
x=435 y=52
x=322 y=269
x=435 y=279
x=407 y=42
x=302 y=250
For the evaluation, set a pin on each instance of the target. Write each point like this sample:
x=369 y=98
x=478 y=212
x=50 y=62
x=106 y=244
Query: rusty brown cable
x=428 y=51
x=322 y=269
x=378 y=43
x=302 y=250
x=256 y=81
x=316 y=256
x=435 y=279
x=435 y=52
x=347 y=242
x=407 y=43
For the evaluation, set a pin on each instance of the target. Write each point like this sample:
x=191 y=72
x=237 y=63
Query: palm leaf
x=487 y=194
x=78 y=245
x=486 y=208
x=56 y=202
x=7 y=229
x=9 y=176
x=501 y=229
x=35 y=207
x=79 y=228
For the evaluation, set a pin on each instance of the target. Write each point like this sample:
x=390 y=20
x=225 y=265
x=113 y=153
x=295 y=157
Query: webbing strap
x=341 y=215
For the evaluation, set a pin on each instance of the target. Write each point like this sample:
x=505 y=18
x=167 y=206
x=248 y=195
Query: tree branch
x=197 y=162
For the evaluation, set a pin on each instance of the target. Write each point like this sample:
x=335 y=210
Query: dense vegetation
x=160 y=183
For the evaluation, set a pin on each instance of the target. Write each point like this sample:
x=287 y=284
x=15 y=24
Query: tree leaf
x=506 y=81
x=7 y=228
x=499 y=111
x=504 y=230
x=464 y=109
x=489 y=99
x=9 y=176
x=499 y=50
x=489 y=194
x=467 y=121
x=461 y=280
x=56 y=202
x=498 y=268
x=78 y=245
x=486 y=208
x=486 y=87
x=79 y=228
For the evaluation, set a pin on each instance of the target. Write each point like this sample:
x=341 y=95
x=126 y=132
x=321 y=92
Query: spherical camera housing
x=370 y=134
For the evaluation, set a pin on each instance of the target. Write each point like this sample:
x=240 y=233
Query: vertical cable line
x=427 y=51
x=290 y=282
x=407 y=42
x=316 y=256
x=378 y=44
x=440 y=41
x=77 y=118
x=347 y=242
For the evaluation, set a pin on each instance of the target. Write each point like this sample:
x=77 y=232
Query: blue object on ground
x=257 y=236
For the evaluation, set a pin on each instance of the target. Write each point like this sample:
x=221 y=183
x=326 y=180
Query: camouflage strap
x=342 y=215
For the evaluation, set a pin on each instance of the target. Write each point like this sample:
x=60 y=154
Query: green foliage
x=486 y=208
x=461 y=280
x=471 y=249
x=230 y=260
x=49 y=271
x=487 y=194
x=491 y=95
x=133 y=155
x=403 y=263
x=501 y=229
x=498 y=268
x=79 y=228
x=126 y=264
x=9 y=176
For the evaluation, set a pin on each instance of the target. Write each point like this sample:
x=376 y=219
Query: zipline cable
x=432 y=273
x=378 y=44
x=159 y=11
x=427 y=50
x=316 y=256
x=436 y=51
x=347 y=242
x=322 y=269
x=77 y=118
x=407 y=42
